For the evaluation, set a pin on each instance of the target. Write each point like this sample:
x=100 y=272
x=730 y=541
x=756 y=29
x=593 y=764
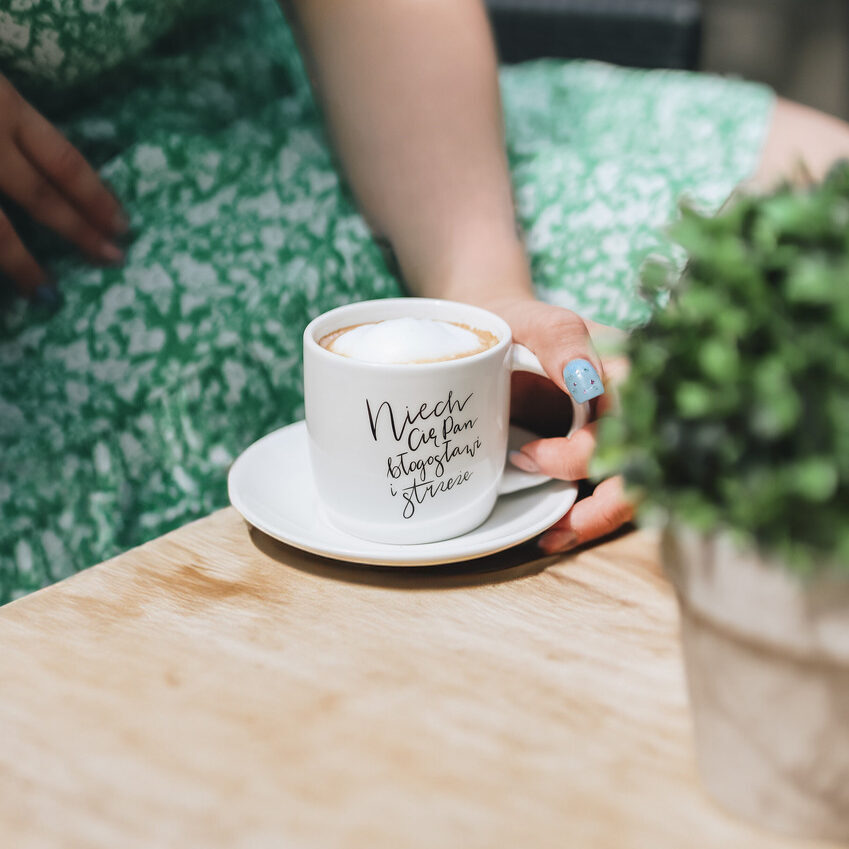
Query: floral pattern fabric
x=121 y=412
x=65 y=41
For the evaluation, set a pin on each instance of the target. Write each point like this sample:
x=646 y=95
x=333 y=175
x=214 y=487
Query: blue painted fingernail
x=47 y=295
x=582 y=380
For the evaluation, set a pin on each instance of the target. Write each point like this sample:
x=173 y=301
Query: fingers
x=66 y=168
x=606 y=510
x=16 y=262
x=563 y=346
x=46 y=176
x=564 y=458
x=34 y=193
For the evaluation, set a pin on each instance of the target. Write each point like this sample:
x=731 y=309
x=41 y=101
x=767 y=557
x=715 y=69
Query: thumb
x=562 y=344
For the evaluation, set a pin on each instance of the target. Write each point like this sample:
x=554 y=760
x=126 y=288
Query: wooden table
x=217 y=689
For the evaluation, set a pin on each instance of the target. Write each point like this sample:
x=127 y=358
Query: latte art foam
x=408 y=340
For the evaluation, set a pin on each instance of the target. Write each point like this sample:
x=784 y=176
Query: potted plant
x=734 y=429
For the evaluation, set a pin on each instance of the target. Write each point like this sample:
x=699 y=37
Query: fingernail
x=556 y=542
x=120 y=223
x=47 y=295
x=110 y=252
x=523 y=462
x=582 y=380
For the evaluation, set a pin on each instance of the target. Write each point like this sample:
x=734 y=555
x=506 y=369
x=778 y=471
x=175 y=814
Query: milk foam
x=406 y=340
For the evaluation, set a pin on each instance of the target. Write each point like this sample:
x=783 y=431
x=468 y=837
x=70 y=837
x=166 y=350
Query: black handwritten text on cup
x=434 y=438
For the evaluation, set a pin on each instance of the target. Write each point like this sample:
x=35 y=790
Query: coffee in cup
x=408 y=340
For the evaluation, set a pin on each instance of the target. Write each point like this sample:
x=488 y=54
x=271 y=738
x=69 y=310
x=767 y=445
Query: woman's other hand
x=560 y=337
x=45 y=175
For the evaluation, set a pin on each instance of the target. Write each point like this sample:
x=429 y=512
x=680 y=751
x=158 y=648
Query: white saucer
x=271 y=485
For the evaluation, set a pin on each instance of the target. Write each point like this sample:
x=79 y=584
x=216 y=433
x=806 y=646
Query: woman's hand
x=45 y=175
x=410 y=92
x=559 y=337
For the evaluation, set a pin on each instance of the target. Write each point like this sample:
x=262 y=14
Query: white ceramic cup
x=411 y=452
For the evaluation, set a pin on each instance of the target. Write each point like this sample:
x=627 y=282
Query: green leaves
x=811 y=280
x=736 y=410
x=693 y=400
x=777 y=406
x=719 y=360
x=814 y=479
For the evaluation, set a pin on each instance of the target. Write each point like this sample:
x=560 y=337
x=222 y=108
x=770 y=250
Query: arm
x=411 y=98
x=802 y=142
x=410 y=93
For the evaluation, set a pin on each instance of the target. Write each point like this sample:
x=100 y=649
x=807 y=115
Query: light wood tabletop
x=214 y=688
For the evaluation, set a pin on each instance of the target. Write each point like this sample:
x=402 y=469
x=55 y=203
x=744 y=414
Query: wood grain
x=217 y=689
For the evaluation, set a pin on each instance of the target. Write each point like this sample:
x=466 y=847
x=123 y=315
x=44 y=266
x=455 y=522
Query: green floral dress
x=121 y=412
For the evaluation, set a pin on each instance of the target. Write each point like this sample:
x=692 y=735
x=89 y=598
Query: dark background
x=799 y=47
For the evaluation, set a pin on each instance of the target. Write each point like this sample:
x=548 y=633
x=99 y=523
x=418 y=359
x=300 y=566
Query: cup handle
x=522 y=359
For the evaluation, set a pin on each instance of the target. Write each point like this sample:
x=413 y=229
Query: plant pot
x=767 y=661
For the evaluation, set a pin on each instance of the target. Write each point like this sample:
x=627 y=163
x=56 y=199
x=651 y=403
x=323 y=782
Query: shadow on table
x=509 y=565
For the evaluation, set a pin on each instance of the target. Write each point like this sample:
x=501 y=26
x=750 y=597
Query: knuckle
x=85 y=236
x=42 y=196
x=616 y=512
x=545 y=327
x=68 y=163
x=576 y=455
x=557 y=323
x=7 y=231
x=555 y=458
x=610 y=514
x=570 y=469
x=569 y=321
